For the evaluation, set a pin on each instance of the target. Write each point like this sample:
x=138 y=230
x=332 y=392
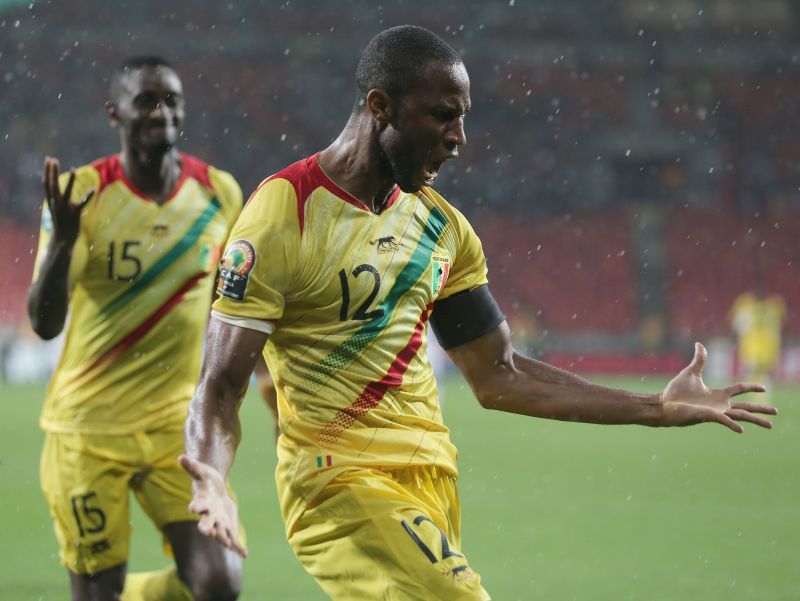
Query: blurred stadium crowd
x=632 y=166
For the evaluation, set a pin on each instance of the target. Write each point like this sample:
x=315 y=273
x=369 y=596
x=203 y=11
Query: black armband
x=465 y=316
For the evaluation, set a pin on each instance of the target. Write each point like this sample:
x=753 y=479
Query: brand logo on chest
x=386 y=244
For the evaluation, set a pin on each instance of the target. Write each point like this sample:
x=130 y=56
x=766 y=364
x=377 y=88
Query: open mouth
x=431 y=170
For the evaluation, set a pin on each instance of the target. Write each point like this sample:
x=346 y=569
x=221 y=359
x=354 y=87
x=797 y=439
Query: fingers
x=699 y=359
x=206 y=523
x=727 y=422
x=227 y=536
x=86 y=198
x=214 y=526
x=755 y=408
x=745 y=416
x=193 y=467
x=50 y=178
x=68 y=189
x=237 y=546
x=741 y=388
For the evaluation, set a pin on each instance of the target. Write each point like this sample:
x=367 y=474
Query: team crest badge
x=235 y=268
x=209 y=256
x=439 y=272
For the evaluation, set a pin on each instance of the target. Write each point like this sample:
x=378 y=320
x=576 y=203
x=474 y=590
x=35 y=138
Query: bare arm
x=505 y=380
x=213 y=431
x=48 y=298
x=212 y=428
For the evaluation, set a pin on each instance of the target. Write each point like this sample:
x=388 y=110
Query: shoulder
x=197 y=169
x=218 y=182
x=225 y=187
x=449 y=213
x=289 y=189
x=87 y=177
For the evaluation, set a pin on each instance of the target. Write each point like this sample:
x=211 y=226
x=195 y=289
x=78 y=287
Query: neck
x=153 y=172
x=355 y=163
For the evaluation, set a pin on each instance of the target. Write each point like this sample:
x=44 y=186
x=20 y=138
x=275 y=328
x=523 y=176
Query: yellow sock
x=163 y=585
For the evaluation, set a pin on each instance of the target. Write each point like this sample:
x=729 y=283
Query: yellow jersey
x=140 y=280
x=758 y=323
x=345 y=295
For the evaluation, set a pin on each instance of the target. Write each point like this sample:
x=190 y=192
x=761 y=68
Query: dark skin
x=404 y=141
x=147 y=108
x=266 y=388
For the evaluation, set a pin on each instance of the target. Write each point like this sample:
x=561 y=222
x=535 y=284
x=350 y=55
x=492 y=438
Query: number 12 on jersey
x=361 y=313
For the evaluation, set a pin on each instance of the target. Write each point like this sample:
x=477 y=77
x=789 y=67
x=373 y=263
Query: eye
x=172 y=99
x=145 y=101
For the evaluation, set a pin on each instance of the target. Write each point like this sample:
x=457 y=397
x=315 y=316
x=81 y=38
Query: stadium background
x=631 y=168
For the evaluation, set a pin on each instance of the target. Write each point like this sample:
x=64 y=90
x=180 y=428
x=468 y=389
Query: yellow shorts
x=86 y=479
x=386 y=534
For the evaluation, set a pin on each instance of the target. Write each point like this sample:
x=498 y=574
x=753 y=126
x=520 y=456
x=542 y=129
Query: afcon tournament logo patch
x=439 y=272
x=234 y=269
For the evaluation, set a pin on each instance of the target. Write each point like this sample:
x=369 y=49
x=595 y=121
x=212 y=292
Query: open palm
x=686 y=400
x=219 y=516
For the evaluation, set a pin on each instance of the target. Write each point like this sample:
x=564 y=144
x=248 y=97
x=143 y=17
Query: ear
x=112 y=113
x=381 y=106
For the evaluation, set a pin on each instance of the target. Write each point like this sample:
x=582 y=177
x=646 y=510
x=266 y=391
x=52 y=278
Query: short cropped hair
x=396 y=58
x=134 y=63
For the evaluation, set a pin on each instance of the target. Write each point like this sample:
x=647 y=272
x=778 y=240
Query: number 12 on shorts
x=446 y=552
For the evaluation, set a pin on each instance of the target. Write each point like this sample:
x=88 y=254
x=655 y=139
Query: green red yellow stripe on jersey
x=375 y=391
x=419 y=261
x=173 y=254
x=148 y=324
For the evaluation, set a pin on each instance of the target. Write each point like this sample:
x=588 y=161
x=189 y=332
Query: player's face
x=150 y=108
x=429 y=126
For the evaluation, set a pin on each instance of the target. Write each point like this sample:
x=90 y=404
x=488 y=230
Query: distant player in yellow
x=338 y=263
x=130 y=246
x=757 y=319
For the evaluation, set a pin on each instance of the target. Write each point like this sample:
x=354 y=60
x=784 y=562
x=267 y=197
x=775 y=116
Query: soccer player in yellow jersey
x=757 y=319
x=129 y=246
x=337 y=264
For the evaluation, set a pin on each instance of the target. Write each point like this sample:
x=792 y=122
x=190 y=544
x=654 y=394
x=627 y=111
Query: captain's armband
x=465 y=316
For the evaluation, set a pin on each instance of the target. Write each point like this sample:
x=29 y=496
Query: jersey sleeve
x=228 y=192
x=259 y=266
x=468 y=269
x=86 y=178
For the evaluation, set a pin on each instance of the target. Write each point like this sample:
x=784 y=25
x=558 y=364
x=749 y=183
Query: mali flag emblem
x=439 y=271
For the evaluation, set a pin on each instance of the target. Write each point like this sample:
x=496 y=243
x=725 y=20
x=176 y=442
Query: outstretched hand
x=65 y=214
x=686 y=400
x=219 y=516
